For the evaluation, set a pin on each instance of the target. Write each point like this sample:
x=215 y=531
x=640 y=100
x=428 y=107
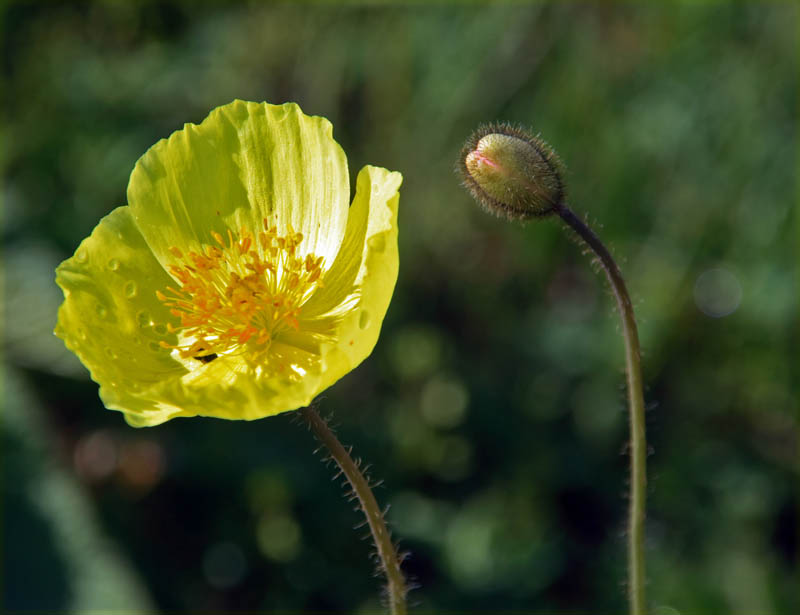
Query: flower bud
x=511 y=173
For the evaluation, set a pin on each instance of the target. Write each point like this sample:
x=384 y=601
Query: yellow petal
x=368 y=268
x=229 y=388
x=111 y=317
x=370 y=219
x=243 y=163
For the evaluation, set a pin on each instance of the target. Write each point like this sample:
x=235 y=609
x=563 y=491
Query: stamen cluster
x=240 y=294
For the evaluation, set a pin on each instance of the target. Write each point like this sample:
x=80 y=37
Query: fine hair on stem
x=387 y=557
x=515 y=175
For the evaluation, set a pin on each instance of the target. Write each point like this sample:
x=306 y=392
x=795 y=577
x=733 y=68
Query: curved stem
x=380 y=534
x=638 y=446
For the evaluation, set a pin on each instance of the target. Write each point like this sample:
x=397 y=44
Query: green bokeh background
x=492 y=407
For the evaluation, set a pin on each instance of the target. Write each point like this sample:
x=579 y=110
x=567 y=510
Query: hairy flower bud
x=511 y=173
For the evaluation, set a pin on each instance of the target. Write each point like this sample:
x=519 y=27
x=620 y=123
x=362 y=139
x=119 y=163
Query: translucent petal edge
x=112 y=320
x=375 y=280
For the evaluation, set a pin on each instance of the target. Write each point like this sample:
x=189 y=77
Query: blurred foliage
x=493 y=406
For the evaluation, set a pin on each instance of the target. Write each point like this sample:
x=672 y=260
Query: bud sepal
x=511 y=173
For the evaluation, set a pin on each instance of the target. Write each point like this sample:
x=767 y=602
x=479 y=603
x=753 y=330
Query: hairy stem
x=380 y=534
x=638 y=446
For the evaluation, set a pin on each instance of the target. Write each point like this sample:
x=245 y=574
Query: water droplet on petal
x=143 y=318
x=377 y=243
x=113 y=264
x=111 y=354
x=81 y=255
x=101 y=310
x=130 y=289
x=82 y=334
x=131 y=385
x=363 y=320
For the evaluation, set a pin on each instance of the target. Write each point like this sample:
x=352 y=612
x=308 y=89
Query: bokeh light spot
x=415 y=352
x=455 y=459
x=444 y=402
x=267 y=490
x=224 y=565
x=598 y=412
x=717 y=292
x=95 y=456
x=279 y=537
x=416 y=516
x=468 y=545
x=141 y=464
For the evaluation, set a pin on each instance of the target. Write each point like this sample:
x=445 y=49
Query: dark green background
x=493 y=406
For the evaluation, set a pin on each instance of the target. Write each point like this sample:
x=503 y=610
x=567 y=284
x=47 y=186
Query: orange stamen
x=239 y=295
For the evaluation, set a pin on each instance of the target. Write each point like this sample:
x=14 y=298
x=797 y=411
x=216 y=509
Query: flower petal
x=366 y=267
x=370 y=216
x=113 y=321
x=243 y=163
x=229 y=388
x=111 y=317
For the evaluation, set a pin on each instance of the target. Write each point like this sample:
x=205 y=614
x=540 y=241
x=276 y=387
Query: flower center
x=240 y=294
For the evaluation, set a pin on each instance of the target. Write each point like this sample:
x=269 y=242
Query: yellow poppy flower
x=237 y=282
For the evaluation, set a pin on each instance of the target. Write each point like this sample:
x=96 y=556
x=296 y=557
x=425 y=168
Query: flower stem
x=638 y=446
x=387 y=553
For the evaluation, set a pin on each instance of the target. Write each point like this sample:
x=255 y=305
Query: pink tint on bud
x=481 y=158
